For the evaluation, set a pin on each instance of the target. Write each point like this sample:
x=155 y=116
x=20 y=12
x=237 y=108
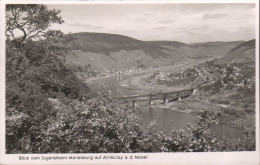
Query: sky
x=188 y=23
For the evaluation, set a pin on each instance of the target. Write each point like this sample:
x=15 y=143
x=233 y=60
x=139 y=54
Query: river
x=166 y=119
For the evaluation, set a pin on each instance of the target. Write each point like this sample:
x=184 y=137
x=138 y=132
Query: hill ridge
x=244 y=52
x=116 y=52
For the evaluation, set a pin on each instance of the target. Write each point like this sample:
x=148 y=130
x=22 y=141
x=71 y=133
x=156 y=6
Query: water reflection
x=167 y=119
x=119 y=78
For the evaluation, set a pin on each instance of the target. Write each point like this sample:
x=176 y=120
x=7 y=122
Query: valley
x=221 y=88
x=213 y=94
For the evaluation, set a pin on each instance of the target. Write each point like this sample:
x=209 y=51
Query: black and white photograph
x=87 y=78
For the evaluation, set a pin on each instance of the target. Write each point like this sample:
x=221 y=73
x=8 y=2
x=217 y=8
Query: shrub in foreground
x=100 y=125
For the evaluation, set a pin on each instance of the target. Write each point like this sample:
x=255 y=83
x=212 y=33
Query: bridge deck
x=158 y=96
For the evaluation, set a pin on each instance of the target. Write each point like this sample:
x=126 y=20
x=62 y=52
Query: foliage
x=101 y=125
x=32 y=20
x=92 y=125
x=25 y=23
x=198 y=139
x=35 y=72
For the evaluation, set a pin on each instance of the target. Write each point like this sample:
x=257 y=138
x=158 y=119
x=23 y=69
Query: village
x=228 y=76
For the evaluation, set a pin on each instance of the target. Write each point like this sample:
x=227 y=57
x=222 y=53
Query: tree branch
x=35 y=34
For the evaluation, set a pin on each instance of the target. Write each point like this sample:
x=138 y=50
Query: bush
x=29 y=85
x=250 y=111
x=100 y=125
x=95 y=125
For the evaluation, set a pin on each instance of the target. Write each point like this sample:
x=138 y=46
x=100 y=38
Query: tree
x=26 y=24
x=35 y=72
x=31 y=20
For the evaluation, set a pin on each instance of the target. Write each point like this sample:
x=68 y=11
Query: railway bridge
x=166 y=97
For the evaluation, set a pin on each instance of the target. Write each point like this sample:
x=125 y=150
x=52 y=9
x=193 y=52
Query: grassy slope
x=203 y=50
x=112 y=51
x=245 y=52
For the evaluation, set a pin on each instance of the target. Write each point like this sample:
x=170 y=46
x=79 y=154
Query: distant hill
x=202 y=50
x=166 y=43
x=244 y=52
x=111 y=51
x=216 y=43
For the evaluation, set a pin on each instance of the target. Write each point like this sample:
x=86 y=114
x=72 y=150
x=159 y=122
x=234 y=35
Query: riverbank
x=171 y=106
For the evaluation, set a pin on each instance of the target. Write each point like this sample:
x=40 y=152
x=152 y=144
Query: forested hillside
x=117 y=52
x=111 y=51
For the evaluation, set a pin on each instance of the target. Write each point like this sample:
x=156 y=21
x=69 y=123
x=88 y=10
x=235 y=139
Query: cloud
x=200 y=28
x=160 y=28
x=140 y=20
x=213 y=16
x=245 y=28
x=85 y=25
x=182 y=22
x=166 y=21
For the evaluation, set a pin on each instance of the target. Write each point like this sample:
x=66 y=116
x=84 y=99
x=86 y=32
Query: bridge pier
x=166 y=97
x=194 y=91
x=150 y=102
x=134 y=103
x=165 y=101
